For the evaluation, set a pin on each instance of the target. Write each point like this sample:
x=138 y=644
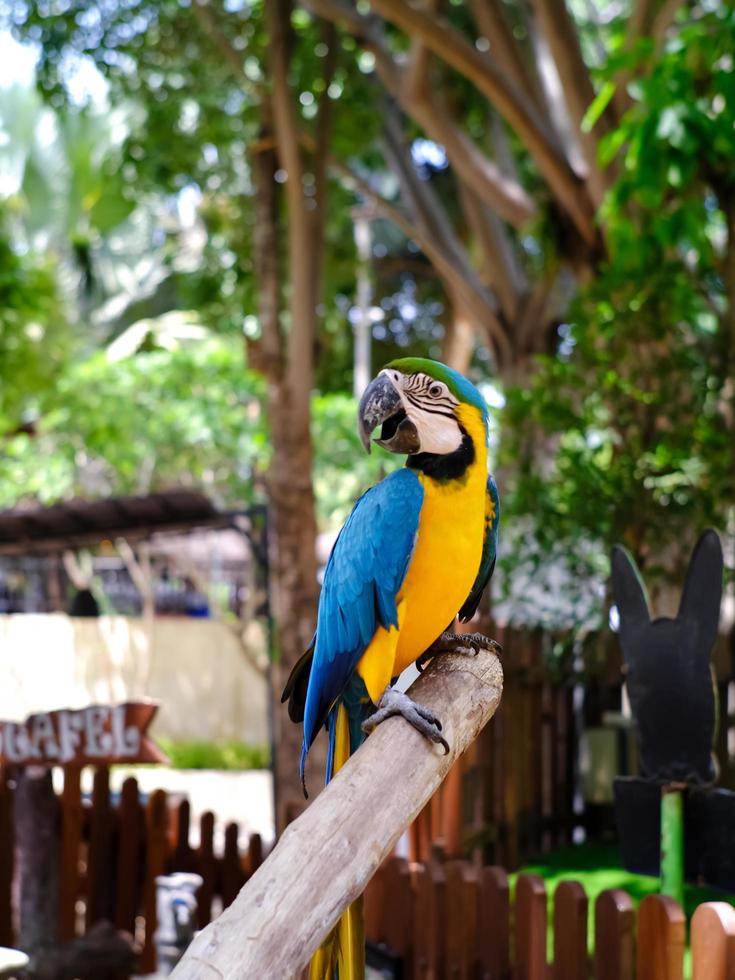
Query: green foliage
x=33 y=334
x=625 y=433
x=227 y=754
x=147 y=422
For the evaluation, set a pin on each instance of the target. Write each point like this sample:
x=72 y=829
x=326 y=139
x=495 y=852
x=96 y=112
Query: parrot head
x=420 y=406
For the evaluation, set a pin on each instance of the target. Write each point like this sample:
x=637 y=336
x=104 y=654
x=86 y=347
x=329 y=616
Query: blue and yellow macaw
x=417 y=550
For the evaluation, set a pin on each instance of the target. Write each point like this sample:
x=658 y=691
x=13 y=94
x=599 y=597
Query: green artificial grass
x=597 y=867
x=227 y=755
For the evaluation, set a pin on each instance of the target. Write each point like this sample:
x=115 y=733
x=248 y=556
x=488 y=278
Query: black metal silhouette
x=672 y=695
x=669 y=676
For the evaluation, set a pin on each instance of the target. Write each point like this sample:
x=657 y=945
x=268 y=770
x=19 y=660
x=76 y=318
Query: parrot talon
x=465 y=644
x=394 y=702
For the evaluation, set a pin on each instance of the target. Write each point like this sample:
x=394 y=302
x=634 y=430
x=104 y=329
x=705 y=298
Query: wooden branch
x=408 y=86
x=513 y=104
x=324 y=125
x=447 y=253
x=561 y=34
x=504 y=48
x=363 y=29
x=326 y=857
x=503 y=194
x=498 y=261
x=302 y=303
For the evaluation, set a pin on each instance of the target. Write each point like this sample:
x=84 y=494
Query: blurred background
x=219 y=219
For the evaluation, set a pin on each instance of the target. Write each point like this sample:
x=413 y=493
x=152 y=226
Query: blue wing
x=489 y=552
x=363 y=576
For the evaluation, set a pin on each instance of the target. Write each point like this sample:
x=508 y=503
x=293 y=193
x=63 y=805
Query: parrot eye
x=435 y=391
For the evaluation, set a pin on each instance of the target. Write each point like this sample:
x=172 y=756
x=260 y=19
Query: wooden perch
x=326 y=857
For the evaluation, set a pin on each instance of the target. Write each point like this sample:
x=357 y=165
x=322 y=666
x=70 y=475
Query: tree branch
x=300 y=360
x=493 y=24
x=499 y=265
x=408 y=87
x=513 y=105
x=447 y=251
x=563 y=39
x=279 y=918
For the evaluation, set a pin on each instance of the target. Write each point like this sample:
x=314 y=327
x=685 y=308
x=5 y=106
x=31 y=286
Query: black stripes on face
x=429 y=395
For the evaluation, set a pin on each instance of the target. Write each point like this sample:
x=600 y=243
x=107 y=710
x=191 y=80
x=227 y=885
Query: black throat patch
x=444 y=467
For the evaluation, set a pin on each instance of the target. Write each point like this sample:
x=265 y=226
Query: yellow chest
x=446 y=559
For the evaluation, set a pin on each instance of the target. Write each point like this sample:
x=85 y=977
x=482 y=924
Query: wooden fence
x=511 y=795
x=456 y=921
x=110 y=852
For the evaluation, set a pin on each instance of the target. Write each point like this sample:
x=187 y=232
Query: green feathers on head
x=460 y=387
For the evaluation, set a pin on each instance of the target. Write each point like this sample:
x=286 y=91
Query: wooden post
x=713 y=942
x=461 y=919
x=493 y=930
x=129 y=847
x=614 y=930
x=71 y=836
x=7 y=846
x=398 y=902
x=325 y=858
x=231 y=873
x=661 y=939
x=100 y=900
x=530 y=920
x=156 y=850
x=570 y=932
x=37 y=858
x=255 y=854
x=207 y=868
x=429 y=922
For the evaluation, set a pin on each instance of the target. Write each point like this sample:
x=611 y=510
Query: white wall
x=194 y=667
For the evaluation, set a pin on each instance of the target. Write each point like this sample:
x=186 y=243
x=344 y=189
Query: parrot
x=417 y=550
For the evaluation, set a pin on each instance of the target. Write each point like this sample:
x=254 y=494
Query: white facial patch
x=430 y=405
x=438 y=434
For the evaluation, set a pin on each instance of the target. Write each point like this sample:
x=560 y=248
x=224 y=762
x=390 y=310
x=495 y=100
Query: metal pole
x=363 y=301
x=672 y=842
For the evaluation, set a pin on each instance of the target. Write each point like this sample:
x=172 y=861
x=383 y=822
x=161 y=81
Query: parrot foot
x=393 y=702
x=467 y=644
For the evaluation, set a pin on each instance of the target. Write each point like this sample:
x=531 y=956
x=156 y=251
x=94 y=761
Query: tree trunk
x=37 y=858
x=287 y=360
x=459 y=340
x=363 y=301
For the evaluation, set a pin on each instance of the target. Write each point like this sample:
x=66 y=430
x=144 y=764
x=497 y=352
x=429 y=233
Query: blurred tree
x=222 y=120
x=33 y=333
x=143 y=422
x=636 y=411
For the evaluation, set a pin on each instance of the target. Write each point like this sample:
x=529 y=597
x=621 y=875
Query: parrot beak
x=381 y=404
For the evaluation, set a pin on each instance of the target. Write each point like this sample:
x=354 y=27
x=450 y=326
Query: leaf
x=597 y=107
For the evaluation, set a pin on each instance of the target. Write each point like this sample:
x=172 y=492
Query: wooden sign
x=97 y=735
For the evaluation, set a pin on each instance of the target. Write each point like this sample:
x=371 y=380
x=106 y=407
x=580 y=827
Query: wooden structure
x=110 y=853
x=81 y=523
x=99 y=734
x=457 y=920
x=326 y=857
x=510 y=796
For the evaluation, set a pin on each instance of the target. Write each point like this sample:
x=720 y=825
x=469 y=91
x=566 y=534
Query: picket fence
x=456 y=921
x=111 y=851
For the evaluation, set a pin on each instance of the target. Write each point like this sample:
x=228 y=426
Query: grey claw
x=395 y=703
